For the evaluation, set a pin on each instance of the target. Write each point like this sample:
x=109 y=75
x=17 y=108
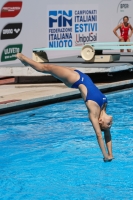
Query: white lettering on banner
x=16 y=30
x=8 y=31
x=11 y=8
x=13 y=55
x=11 y=50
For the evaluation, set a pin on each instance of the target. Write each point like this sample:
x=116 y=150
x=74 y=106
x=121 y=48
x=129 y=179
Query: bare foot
x=20 y=56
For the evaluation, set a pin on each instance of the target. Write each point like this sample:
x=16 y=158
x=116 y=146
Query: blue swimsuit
x=93 y=93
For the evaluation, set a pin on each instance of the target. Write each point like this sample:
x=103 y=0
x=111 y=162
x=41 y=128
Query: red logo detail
x=11 y=9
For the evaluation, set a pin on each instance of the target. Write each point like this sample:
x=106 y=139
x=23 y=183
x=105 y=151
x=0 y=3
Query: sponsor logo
x=9 y=53
x=67 y=28
x=11 y=9
x=11 y=31
x=60 y=28
x=85 y=27
x=82 y=39
x=123 y=5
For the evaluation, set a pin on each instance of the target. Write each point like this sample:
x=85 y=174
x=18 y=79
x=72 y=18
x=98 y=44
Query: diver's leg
x=122 y=40
x=65 y=74
x=128 y=50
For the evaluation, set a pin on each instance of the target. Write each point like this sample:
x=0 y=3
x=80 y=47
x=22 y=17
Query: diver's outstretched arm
x=108 y=141
x=96 y=126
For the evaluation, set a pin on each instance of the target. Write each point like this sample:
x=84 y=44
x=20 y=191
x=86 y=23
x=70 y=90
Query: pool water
x=51 y=153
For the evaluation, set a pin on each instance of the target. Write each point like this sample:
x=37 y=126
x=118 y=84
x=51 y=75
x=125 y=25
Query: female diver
x=94 y=100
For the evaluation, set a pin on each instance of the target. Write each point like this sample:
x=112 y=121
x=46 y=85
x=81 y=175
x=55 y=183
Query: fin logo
x=9 y=53
x=60 y=18
x=11 y=9
x=11 y=31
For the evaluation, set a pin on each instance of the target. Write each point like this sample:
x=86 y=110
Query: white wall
x=34 y=16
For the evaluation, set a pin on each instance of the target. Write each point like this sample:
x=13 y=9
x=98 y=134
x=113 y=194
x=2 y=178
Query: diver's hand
x=108 y=159
x=120 y=38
